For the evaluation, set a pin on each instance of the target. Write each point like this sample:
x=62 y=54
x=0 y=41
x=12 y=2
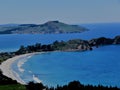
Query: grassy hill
x=48 y=27
x=12 y=87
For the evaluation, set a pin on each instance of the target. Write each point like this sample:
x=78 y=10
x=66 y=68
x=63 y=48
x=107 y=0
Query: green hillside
x=48 y=27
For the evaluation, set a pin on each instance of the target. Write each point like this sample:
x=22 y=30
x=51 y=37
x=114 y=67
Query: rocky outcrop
x=104 y=41
x=117 y=40
x=101 y=41
x=87 y=45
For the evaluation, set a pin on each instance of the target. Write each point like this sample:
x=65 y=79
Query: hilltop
x=48 y=27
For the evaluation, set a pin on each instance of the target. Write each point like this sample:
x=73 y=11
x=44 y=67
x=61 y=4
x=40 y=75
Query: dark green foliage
x=5 y=80
x=101 y=41
x=75 y=85
x=38 y=46
x=22 y=50
x=6 y=55
x=35 y=86
x=59 y=45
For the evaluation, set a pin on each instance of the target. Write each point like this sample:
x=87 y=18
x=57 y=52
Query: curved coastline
x=71 y=45
x=9 y=72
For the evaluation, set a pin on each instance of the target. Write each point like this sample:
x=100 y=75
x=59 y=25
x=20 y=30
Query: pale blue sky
x=68 y=11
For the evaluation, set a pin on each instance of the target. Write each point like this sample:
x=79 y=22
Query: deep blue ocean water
x=14 y=41
x=100 y=66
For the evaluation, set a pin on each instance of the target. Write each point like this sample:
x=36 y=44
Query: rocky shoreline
x=71 y=45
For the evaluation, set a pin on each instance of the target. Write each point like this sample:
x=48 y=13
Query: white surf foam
x=21 y=63
x=36 y=79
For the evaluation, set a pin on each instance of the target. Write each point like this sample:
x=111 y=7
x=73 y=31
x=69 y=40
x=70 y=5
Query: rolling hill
x=48 y=27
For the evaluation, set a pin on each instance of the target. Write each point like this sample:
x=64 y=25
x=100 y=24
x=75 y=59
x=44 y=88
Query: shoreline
x=7 y=69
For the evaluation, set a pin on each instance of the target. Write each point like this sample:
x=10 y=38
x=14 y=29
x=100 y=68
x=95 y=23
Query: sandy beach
x=7 y=70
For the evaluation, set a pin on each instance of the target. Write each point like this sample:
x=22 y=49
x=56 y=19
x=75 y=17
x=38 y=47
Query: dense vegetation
x=71 y=45
x=75 y=85
x=5 y=80
x=49 y=27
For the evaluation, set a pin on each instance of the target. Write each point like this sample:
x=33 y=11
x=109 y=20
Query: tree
x=22 y=50
x=35 y=86
x=38 y=46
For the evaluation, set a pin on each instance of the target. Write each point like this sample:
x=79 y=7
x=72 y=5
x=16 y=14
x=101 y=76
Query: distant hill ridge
x=48 y=27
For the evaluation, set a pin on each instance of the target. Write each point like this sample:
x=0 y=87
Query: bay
x=100 y=66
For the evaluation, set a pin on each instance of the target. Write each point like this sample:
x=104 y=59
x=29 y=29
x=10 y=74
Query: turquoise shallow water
x=100 y=66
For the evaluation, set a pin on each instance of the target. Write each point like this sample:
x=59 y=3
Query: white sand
x=7 y=70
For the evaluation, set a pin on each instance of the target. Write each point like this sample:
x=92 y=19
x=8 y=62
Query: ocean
x=100 y=66
x=13 y=42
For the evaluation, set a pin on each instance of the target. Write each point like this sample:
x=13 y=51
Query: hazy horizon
x=63 y=22
x=67 y=11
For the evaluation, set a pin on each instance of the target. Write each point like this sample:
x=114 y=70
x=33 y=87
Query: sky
x=67 y=11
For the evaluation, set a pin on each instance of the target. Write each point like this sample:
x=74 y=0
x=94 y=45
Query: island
x=53 y=27
x=71 y=45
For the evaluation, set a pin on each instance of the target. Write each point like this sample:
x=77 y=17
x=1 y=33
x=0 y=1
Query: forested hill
x=48 y=27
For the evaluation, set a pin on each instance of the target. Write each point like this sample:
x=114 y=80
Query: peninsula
x=71 y=45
